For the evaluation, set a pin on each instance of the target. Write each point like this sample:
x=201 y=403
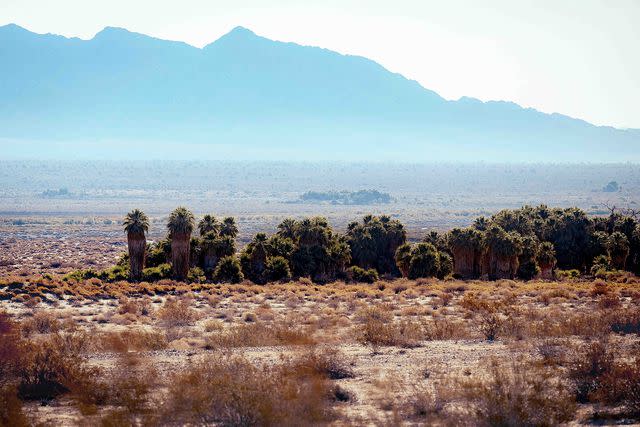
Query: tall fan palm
x=287 y=228
x=229 y=227
x=465 y=245
x=208 y=224
x=136 y=224
x=180 y=225
x=547 y=260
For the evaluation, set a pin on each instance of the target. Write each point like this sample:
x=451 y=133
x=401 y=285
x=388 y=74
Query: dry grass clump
x=258 y=334
x=599 y=374
x=177 y=312
x=233 y=392
x=42 y=322
x=378 y=328
x=327 y=361
x=520 y=394
x=11 y=412
x=129 y=340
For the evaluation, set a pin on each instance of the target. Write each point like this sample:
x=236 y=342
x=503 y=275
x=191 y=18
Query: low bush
x=358 y=274
x=257 y=334
x=177 y=312
x=228 y=270
x=153 y=274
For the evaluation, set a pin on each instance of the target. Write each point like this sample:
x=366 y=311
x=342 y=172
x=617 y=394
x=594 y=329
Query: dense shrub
x=358 y=274
x=153 y=274
x=228 y=270
x=277 y=269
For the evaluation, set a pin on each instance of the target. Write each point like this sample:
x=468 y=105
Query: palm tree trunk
x=210 y=260
x=137 y=244
x=546 y=271
x=180 y=248
x=464 y=263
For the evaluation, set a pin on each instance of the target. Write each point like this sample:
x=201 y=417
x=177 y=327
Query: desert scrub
x=177 y=312
x=231 y=391
x=378 y=328
x=258 y=334
x=519 y=394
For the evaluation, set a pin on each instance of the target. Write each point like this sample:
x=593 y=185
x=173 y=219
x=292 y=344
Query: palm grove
x=526 y=243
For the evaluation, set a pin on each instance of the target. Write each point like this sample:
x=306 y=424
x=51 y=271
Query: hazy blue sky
x=577 y=57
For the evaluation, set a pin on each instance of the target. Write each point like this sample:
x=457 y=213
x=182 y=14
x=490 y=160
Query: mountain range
x=127 y=95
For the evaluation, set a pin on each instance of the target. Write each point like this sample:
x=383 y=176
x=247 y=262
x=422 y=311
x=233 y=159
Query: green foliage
x=502 y=243
x=425 y=261
x=159 y=272
x=209 y=224
x=228 y=270
x=181 y=221
x=158 y=253
x=196 y=275
x=80 y=275
x=254 y=259
x=277 y=269
x=403 y=258
x=318 y=252
x=374 y=243
x=528 y=259
x=229 y=227
x=546 y=254
x=446 y=265
x=358 y=274
x=136 y=222
x=114 y=274
x=618 y=247
x=568 y=274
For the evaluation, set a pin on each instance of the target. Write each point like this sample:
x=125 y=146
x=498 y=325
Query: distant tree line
x=361 y=197
x=526 y=243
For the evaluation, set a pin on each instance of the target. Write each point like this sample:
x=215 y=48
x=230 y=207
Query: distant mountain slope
x=245 y=96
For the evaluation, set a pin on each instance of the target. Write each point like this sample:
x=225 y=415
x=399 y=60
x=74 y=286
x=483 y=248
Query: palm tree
x=618 y=246
x=465 y=245
x=136 y=224
x=287 y=228
x=403 y=258
x=546 y=260
x=180 y=225
x=503 y=252
x=425 y=261
x=209 y=224
x=229 y=227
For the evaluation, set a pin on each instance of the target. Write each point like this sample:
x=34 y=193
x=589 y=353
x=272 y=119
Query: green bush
x=277 y=269
x=228 y=270
x=358 y=274
x=196 y=275
x=568 y=274
x=153 y=274
x=446 y=265
x=425 y=261
x=80 y=275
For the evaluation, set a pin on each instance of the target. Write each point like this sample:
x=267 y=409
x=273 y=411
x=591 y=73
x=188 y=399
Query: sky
x=576 y=57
